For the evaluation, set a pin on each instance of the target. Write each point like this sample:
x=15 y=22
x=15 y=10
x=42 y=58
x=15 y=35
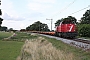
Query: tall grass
x=41 y=49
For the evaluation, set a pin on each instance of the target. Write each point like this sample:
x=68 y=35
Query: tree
x=73 y=19
x=84 y=30
x=0 y=18
x=0 y=2
x=44 y=27
x=22 y=30
x=86 y=18
x=3 y=28
x=0 y=12
x=1 y=21
x=38 y=26
x=58 y=22
x=10 y=29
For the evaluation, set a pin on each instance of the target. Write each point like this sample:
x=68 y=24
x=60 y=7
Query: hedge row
x=84 y=30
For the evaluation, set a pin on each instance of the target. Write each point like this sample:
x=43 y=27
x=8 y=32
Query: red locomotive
x=67 y=28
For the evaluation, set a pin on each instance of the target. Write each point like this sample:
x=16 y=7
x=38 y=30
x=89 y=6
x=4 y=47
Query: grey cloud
x=8 y=17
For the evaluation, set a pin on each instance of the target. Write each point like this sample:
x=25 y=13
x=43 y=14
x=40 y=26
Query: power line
x=64 y=8
x=61 y=12
x=80 y=10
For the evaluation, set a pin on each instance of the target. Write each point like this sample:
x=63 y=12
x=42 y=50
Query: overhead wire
x=80 y=10
x=64 y=8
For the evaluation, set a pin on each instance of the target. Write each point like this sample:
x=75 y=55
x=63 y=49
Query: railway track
x=76 y=39
x=82 y=40
x=77 y=42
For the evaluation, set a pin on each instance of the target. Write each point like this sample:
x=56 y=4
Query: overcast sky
x=18 y=14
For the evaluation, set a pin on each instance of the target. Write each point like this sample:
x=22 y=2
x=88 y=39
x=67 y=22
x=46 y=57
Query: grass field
x=5 y=35
x=10 y=49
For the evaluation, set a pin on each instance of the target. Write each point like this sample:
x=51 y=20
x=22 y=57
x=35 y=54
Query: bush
x=84 y=30
x=41 y=49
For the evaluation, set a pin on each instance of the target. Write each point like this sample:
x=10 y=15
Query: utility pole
x=51 y=23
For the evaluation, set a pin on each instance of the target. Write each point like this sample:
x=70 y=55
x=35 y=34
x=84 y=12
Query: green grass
x=5 y=35
x=10 y=49
x=22 y=36
x=79 y=54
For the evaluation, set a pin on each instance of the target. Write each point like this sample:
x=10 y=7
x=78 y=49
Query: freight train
x=66 y=29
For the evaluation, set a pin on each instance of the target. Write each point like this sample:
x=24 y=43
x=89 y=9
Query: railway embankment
x=44 y=48
x=79 y=43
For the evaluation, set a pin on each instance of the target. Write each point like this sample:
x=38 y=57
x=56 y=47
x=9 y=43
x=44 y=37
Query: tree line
x=38 y=26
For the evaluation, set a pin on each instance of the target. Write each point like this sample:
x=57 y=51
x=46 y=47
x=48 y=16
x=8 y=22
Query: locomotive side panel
x=66 y=28
x=71 y=28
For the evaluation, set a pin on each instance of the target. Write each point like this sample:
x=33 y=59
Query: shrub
x=84 y=30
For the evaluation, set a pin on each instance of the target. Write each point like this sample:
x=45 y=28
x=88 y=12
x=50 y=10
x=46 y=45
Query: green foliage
x=84 y=30
x=0 y=12
x=86 y=18
x=38 y=26
x=0 y=17
x=3 y=28
x=58 y=22
x=1 y=21
x=73 y=19
x=10 y=29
